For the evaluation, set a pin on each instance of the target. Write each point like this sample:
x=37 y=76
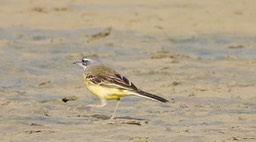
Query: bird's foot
x=88 y=107
x=96 y=106
x=83 y=107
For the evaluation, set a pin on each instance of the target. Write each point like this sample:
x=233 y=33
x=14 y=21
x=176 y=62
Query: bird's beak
x=76 y=62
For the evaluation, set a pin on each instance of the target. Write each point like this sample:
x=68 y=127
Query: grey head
x=89 y=61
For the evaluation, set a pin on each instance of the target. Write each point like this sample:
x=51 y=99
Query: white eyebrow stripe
x=85 y=59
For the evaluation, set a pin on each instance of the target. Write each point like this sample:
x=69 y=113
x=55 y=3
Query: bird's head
x=86 y=62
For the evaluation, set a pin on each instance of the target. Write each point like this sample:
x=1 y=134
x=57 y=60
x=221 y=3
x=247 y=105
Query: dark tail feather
x=151 y=96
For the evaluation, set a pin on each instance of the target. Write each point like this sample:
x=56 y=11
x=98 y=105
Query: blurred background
x=202 y=53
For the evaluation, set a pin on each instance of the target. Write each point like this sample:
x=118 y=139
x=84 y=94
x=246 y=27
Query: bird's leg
x=117 y=105
x=102 y=104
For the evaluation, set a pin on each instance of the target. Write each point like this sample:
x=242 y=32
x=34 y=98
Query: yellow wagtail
x=107 y=84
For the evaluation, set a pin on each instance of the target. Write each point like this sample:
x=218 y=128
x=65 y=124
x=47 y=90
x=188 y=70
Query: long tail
x=151 y=96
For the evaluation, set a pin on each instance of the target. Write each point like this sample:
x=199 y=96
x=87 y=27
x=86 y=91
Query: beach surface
x=200 y=55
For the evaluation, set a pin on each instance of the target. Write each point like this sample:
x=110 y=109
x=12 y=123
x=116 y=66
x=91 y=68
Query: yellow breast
x=105 y=92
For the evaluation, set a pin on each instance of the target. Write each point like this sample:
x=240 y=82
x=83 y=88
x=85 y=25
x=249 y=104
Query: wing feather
x=116 y=81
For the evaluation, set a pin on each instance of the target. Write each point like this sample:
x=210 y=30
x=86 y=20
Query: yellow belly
x=104 y=92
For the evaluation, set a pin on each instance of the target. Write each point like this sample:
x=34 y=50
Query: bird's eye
x=85 y=62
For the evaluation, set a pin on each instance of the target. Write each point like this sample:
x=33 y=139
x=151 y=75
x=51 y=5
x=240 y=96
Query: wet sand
x=200 y=55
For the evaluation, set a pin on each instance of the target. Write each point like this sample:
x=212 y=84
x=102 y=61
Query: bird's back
x=99 y=71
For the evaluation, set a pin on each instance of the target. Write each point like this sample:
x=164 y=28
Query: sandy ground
x=201 y=55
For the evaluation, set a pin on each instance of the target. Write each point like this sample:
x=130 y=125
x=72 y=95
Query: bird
x=108 y=84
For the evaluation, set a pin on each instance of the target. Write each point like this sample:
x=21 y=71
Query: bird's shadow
x=107 y=117
x=125 y=120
